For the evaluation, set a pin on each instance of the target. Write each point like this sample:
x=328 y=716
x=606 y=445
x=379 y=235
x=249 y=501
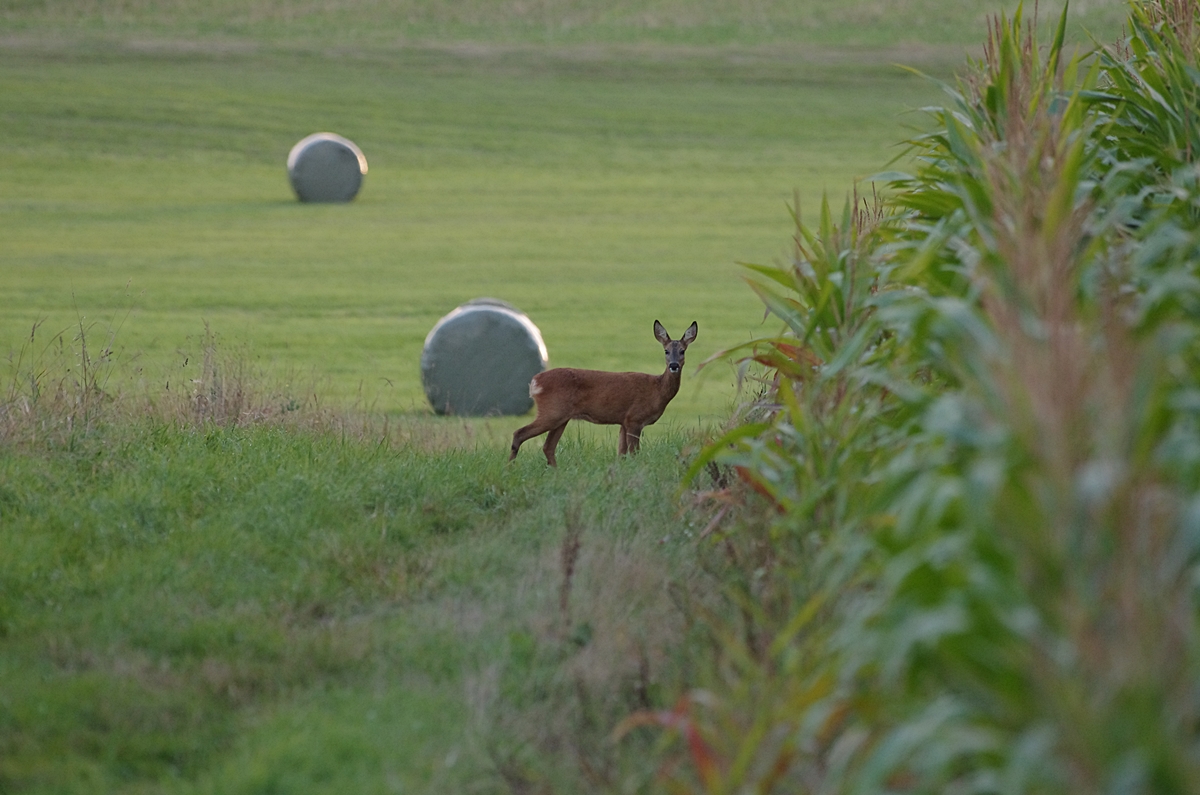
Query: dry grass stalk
x=61 y=387
x=1182 y=18
x=568 y=557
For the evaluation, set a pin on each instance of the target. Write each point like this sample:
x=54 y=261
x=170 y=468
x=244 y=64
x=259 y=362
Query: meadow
x=596 y=186
x=148 y=193
x=338 y=591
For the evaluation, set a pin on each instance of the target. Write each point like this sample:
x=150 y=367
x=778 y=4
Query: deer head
x=674 y=349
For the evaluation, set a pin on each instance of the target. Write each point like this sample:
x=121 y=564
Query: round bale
x=326 y=168
x=478 y=360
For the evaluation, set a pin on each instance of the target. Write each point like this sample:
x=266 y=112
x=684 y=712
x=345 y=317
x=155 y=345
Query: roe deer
x=631 y=400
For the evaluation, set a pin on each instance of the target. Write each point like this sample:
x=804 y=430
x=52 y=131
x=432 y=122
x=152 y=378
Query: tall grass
x=62 y=386
x=216 y=584
x=977 y=455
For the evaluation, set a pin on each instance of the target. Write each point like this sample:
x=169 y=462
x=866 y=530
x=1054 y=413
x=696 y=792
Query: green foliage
x=829 y=380
x=998 y=596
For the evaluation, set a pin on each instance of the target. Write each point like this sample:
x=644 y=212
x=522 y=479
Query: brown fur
x=631 y=400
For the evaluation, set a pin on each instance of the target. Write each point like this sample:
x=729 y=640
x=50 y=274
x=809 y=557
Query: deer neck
x=668 y=385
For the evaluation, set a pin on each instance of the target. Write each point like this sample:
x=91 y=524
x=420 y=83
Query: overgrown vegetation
x=975 y=464
x=228 y=589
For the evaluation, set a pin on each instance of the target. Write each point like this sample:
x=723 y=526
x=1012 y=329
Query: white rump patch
x=534 y=389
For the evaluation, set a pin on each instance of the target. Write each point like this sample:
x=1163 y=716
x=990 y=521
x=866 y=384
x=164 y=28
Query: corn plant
x=1037 y=535
x=979 y=446
x=775 y=716
x=828 y=379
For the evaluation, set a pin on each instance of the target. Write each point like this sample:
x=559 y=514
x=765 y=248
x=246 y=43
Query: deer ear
x=690 y=335
x=660 y=333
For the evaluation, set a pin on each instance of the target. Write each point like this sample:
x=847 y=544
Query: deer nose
x=673 y=367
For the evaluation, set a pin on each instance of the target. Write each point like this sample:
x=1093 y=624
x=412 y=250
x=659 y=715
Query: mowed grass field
x=193 y=607
x=596 y=186
x=148 y=192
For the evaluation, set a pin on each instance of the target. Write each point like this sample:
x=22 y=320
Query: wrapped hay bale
x=478 y=360
x=326 y=168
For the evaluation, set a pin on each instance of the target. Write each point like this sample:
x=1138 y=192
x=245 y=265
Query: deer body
x=631 y=400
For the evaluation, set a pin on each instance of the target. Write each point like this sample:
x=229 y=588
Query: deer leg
x=622 y=442
x=633 y=439
x=552 y=443
x=526 y=433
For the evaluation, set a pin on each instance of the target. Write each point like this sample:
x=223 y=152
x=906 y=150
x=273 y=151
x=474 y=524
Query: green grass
x=149 y=193
x=265 y=610
x=359 y=23
x=596 y=185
